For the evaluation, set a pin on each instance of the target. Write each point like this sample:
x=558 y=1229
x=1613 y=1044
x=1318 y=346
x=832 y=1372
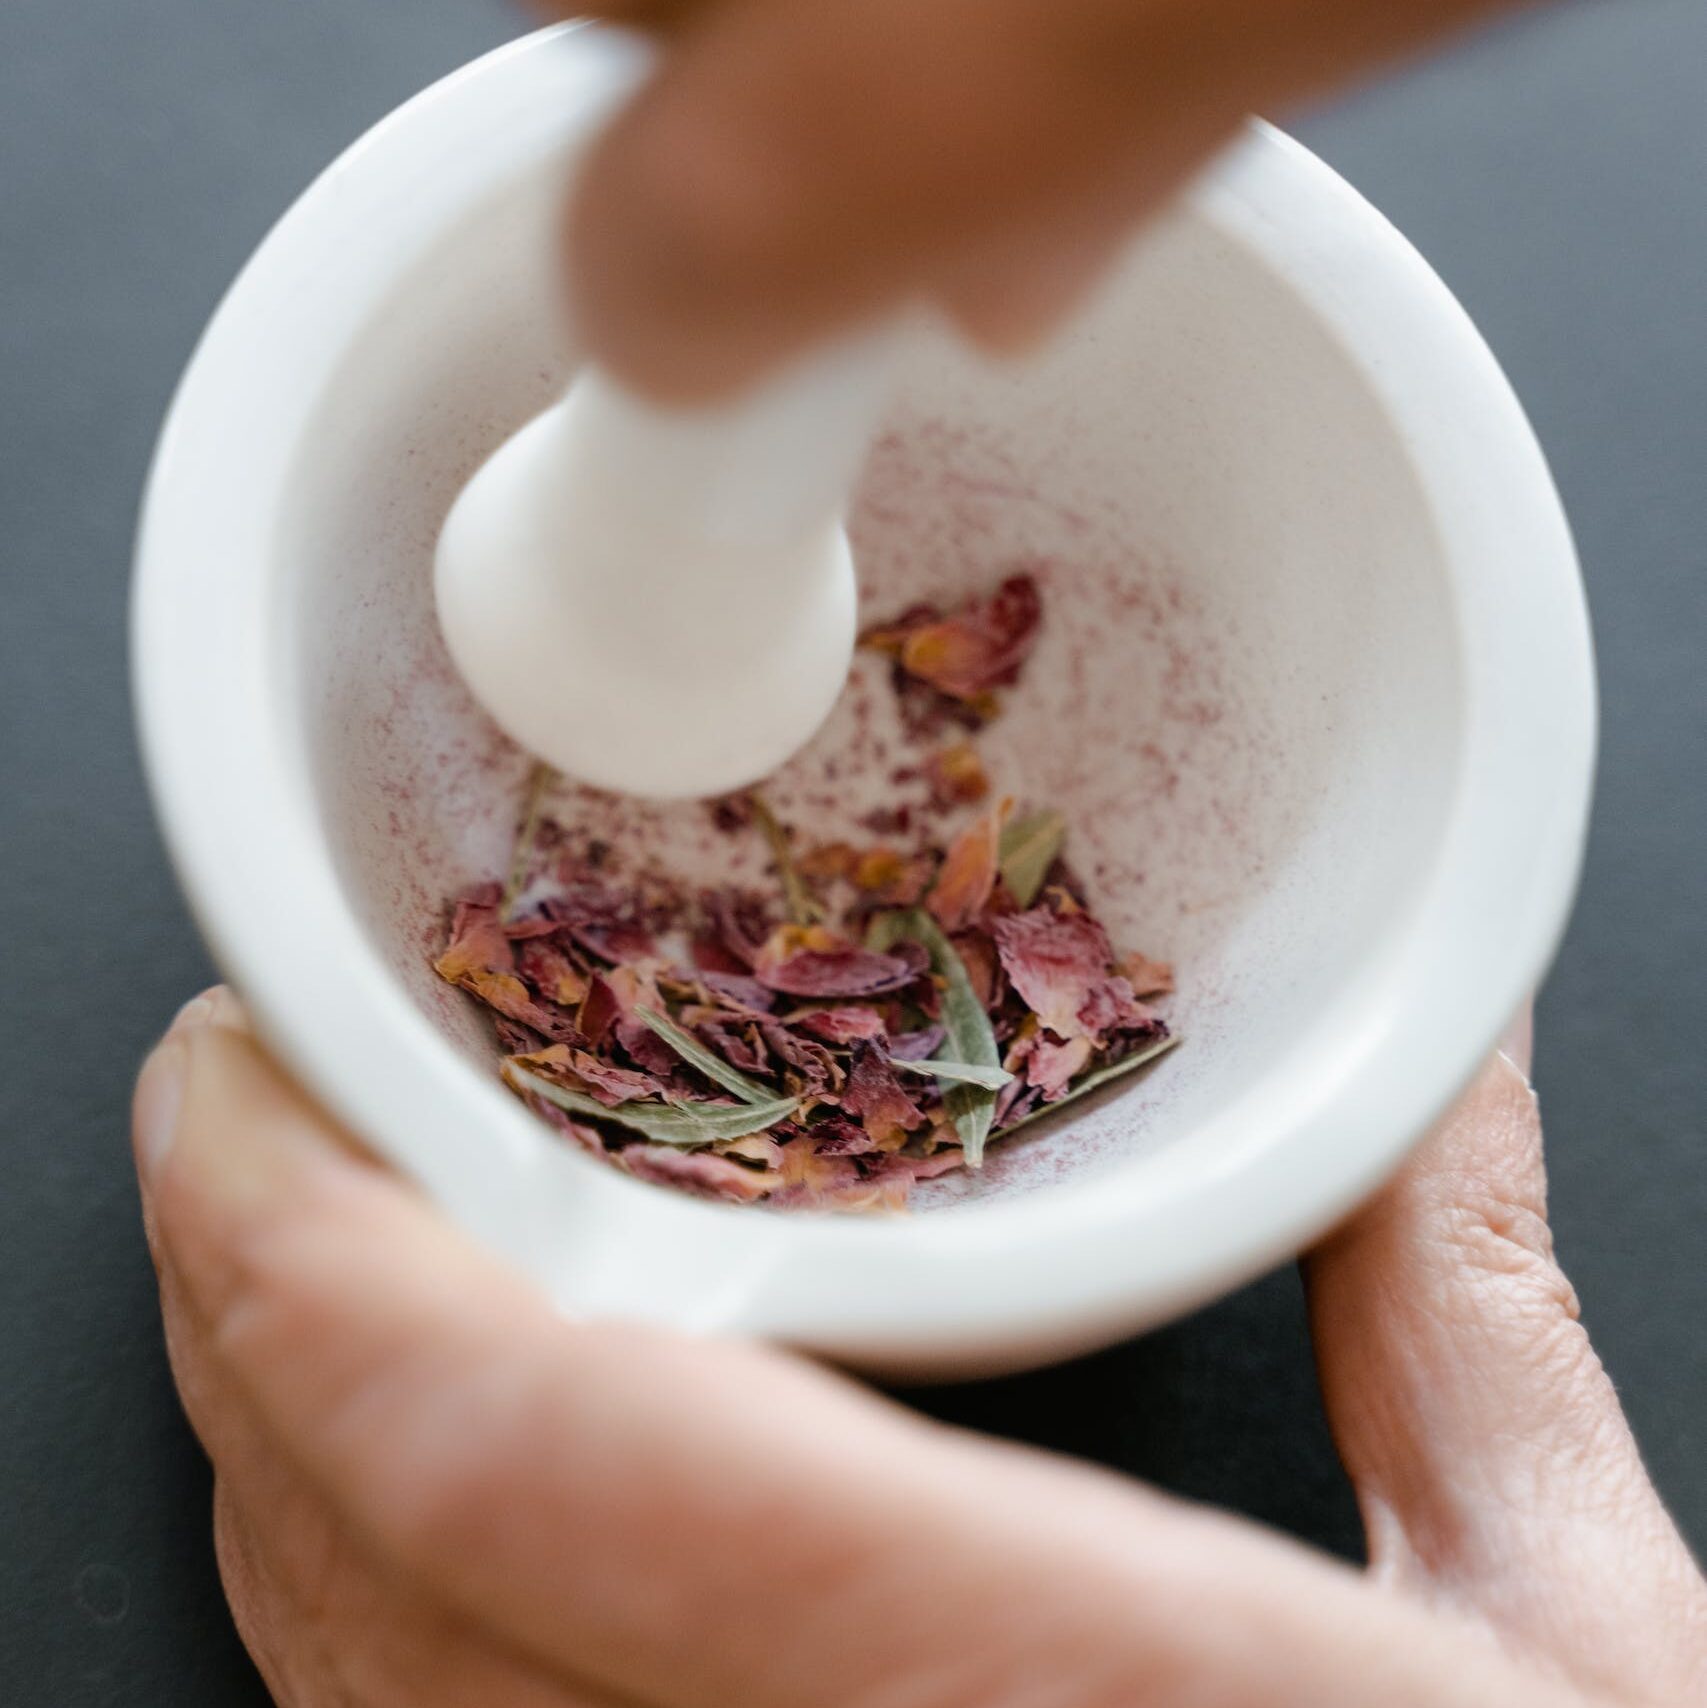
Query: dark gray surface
x=1555 y=173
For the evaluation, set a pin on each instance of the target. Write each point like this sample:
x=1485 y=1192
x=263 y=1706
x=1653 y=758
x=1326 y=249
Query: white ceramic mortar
x=1315 y=693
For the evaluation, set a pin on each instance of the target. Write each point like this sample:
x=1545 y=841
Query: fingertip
x=673 y=253
x=218 y=1005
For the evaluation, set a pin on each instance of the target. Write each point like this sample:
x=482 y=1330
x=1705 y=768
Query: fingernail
x=158 y=1102
x=216 y=1006
x=196 y=1012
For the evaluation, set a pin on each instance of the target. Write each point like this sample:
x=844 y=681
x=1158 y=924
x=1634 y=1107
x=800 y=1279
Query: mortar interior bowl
x=1314 y=693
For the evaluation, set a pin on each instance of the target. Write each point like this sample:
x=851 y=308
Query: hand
x=798 y=165
x=432 y=1491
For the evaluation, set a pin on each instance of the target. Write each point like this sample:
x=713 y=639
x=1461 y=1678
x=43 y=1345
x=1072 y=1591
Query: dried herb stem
x=539 y=784
x=803 y=908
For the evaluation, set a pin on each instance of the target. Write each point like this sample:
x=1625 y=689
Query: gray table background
x=1555 y=171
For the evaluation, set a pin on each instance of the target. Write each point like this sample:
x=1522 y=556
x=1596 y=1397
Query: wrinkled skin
x=432 y=1491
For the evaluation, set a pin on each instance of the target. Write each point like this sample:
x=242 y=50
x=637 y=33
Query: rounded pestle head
x=662 y=601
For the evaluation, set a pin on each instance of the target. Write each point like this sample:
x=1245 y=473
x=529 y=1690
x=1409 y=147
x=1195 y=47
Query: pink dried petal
x=600 y=1011
x=515 y=1039
x=980 y=647
x=1111 y=1007
x=815 y=1070
x=617 y=944
x=577 y=1132
x=1055 y=960
x=833 y=1136
x=740 y=923
x=737 y=1043
x=983 y=968
x=710 y=956
x=819 y=1182
x=885 y=878
x=643 y=1046
x=1014 y=1102
x=551 y=972
x=911 y=1168
x=875 y=1096
x=917 y=1046
x=956 y=776
x=891 y=637
x=968 y=872
x=815 y=962
x=481 y=960
x=1051 y=1066
x=701 y=1172
x=739 y=990
x=580 y=1070
x=524 y=927
x=840 y=1025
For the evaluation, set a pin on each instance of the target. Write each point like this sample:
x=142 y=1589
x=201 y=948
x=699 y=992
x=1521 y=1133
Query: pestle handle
x=761 y=471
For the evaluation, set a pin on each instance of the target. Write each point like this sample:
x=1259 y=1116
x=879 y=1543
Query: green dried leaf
x=709 y=1063
x=1096 y=1079
x=803 y=908
x=964 y=1073
x=1028 y=849
x=970 y=1107
x=682 y=1124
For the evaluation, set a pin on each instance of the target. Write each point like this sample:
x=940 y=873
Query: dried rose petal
x=481 y=960
x=983 y=967
x=1055 y=961
x=700 y=1172
x=1014 y=1102
x=874 y=1094
x=842 y=1025
x=956 y=776
x=814 y=1070
x=644 y=1047
x=980 y=647
x=515 y=1039
x=831 y=1135
x=917 y=1046
x=810 y=961
x=578 y=1132
x=617 y=944
x=759 y=1148
x=886 y=878
x=968 y=872
x=828 y=862
x=710 y=956
x=898 y=1169
x=600 y=1010
x=1051 y=1066
x=520 y=928
x=1111 y=1007
x=737 y=1042
x=738 y=991
x=892 y=637
x=551 y=972
x=579 y=1070
x=738 y=923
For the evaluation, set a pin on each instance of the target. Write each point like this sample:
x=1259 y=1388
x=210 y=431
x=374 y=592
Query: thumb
x=1490 y=1455
x=686 y=1523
